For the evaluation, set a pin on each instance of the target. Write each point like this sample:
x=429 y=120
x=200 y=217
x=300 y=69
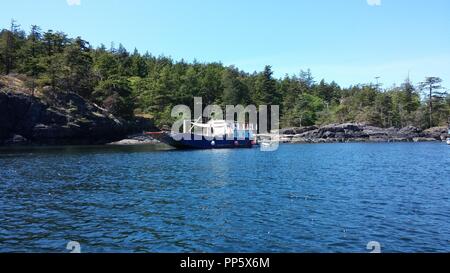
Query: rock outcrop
x=138 y=139
x=359 y=132
x=65 y=118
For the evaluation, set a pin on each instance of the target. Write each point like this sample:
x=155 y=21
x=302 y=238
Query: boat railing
x=220 y=129
x=188 y=125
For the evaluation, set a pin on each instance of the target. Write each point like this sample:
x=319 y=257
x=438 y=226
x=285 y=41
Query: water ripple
x=302 y=198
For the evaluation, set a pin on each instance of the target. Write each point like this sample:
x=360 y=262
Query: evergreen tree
x=54 y=71
x=432 y=85
x=138 y=65
x=411 y=98
x=124 y=60
x=9 y=45
x=234 y=91
x=78 y=63
x=115 y=95
x=105 y=65
x=266 y=91
x=151 y=85
x=32 y=51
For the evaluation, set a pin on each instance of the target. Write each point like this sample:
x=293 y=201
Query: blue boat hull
x=191 y=141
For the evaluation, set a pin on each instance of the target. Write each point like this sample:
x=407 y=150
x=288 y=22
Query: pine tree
x=432 y=85
x=266 y=92
x=234 y=91
x=32 y=52
x=78 y=63
x=266 y=87
x=9 y=45
x=138 y=65
x=115 y=95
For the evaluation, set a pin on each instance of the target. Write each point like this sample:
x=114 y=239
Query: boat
x=215 y=134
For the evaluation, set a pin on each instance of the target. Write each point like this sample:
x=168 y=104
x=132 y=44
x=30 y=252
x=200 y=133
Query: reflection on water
x=301 y=198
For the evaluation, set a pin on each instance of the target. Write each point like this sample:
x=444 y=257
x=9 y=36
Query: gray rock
x=136 y=140
x=16 y=140
x=358 y=132
x=424 y=139
x=297 y=130
x=64 y=118
x=408 y=130
x=438 y=133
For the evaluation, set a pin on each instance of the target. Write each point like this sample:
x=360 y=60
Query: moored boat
x=215 y=134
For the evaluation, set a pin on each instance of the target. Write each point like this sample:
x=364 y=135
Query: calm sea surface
x=301 y=198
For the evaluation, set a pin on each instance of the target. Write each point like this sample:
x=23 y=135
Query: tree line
x=129 y=84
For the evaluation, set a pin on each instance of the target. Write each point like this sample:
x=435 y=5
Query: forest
x=133 y=83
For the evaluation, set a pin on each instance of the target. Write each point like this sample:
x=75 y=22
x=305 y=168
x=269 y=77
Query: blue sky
x=349 y=41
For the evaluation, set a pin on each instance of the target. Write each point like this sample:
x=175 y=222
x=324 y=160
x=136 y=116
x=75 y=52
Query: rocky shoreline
x=68 y=119
x=136 y=139
x=333 y=133
x=360 y=132
x=63 y=119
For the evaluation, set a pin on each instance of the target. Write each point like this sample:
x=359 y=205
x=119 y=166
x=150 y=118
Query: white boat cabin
x=220 y=128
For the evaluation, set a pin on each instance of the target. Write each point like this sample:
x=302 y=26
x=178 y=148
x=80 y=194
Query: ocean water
x=300 y=198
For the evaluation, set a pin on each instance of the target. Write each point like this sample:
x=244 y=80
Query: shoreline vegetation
x=67 y=118
x=60 y=90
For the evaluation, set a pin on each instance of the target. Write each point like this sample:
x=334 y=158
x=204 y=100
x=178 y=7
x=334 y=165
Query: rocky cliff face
x=62 y=119
x=356 y=132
